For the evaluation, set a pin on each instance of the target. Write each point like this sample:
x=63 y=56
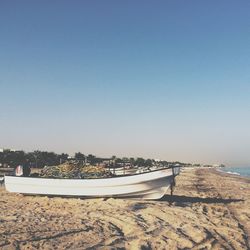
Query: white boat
x=151 y=185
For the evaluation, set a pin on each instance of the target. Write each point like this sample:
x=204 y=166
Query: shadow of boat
x=181 y=200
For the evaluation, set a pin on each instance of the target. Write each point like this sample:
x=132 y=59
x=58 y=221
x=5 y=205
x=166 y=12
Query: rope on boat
x=172 y=185
x=1 y=180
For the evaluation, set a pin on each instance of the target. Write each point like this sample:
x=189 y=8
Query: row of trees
x=33 y=159
x=41 y=158
x=133 y=161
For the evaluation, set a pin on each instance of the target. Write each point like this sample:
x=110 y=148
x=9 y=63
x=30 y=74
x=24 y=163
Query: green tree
x=132 y=161
x=63 y=157
x=1 y=157
x=139 y=162
x=92 y=159
x=79 y=156
x=13 y=158
x=148 y=163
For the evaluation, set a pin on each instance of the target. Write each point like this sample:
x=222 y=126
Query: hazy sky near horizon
x=157 y=79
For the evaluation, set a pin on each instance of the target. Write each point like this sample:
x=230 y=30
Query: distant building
x=157 y=160
x=9 y=150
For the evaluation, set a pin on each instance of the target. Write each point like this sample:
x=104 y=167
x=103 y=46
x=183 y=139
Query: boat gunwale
x=98 y=178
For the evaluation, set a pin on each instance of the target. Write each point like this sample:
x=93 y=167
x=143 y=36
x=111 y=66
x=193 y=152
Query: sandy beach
x=209 y=210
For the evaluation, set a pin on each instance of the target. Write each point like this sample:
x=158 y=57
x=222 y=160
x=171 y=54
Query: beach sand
x=209 y=210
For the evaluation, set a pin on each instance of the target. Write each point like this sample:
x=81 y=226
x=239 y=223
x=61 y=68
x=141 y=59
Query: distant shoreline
x=236 y=171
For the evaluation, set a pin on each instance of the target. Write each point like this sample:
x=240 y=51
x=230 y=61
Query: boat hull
x=152 y=185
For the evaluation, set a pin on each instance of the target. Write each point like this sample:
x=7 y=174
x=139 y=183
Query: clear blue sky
x=158 y=79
